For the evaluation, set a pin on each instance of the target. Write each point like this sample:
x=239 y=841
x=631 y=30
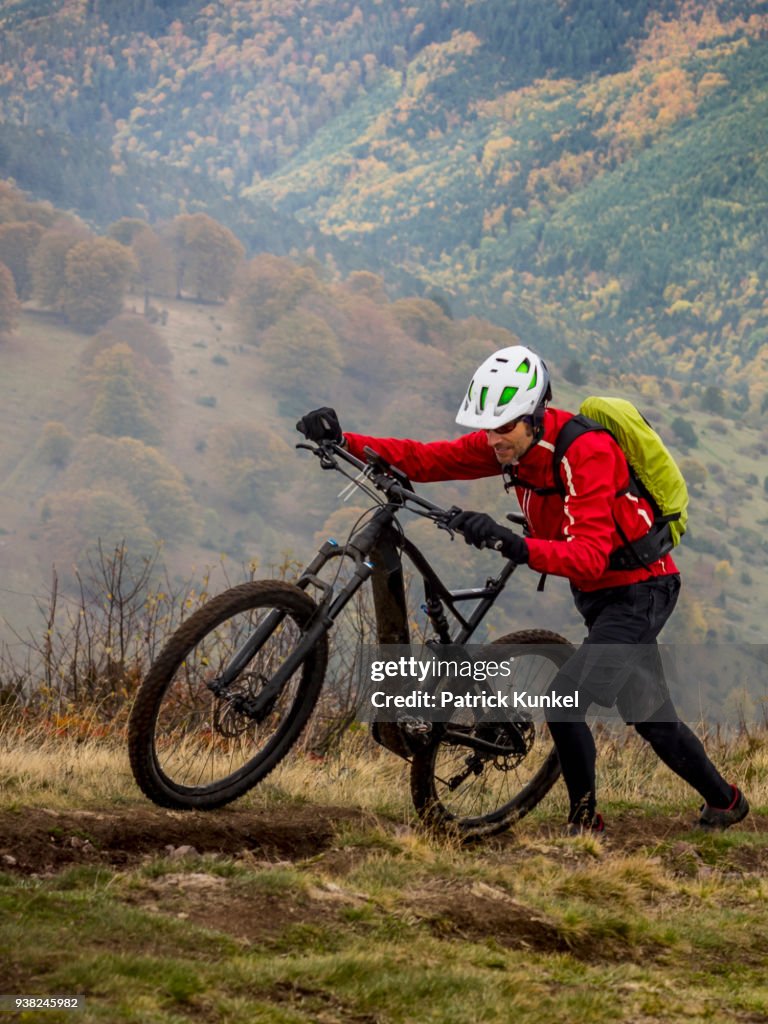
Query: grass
x=382 y=924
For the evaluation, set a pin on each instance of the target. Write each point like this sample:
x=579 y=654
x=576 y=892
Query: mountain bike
x=234 y=686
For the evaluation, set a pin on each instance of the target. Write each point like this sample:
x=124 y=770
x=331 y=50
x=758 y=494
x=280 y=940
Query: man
x=579 y=530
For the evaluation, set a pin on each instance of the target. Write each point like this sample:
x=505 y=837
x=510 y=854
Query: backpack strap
x=642 y=553
x=632 y=554
x=575 y=427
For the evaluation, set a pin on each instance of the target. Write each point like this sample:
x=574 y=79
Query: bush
x=81 y=523
x=302 y=354
x=141 y=474
x=134 y=331
x=684 y=432
x=248 y=460
x=707 y=544
x=125 y=396
x=55 y=445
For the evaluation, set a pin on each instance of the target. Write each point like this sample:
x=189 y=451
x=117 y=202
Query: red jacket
x=572 y=536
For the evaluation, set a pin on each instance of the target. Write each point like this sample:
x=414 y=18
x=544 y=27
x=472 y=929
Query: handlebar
x=391 y=480
x=383 y=475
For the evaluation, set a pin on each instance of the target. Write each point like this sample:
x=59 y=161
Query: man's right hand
x=321 y=425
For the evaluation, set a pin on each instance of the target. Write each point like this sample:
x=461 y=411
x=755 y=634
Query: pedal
x=414 y=726
x=417 y=732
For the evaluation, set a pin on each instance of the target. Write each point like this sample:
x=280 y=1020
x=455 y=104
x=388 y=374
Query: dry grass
x=36 y=767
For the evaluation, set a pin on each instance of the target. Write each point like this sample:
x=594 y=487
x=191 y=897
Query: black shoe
x=723 y=817
x=595 y=826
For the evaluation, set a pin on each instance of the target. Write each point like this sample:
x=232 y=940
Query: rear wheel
x=193 y=748
x=470 y=792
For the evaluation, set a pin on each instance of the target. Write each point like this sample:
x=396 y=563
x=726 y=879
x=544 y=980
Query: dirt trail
x=41 y=840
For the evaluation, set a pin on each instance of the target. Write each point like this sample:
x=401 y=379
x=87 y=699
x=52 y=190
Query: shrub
x=55 y=445
x=684 y=432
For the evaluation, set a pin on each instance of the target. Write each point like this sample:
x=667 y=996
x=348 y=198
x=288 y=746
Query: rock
x=180 y=852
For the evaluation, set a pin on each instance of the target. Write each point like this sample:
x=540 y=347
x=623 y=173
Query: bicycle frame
x=376 y=551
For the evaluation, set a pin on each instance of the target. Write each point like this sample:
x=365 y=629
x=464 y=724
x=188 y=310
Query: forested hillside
x=285 y=204
x=590 y=174
x=152 y=377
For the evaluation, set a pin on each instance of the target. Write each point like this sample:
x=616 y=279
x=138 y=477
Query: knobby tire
x=458 y=814
x=188 y=749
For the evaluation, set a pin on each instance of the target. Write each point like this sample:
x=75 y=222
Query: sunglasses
x=507 y=428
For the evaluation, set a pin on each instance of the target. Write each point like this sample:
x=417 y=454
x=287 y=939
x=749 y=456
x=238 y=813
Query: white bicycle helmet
x=511 y=383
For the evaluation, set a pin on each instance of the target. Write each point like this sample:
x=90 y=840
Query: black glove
x=321 y=425
x=483 y=531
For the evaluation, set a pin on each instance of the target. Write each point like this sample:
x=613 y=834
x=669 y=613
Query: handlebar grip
x=494 y=545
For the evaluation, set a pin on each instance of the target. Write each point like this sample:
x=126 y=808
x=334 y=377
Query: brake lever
x=445 y=517
x=327 y=461
x=442 y=524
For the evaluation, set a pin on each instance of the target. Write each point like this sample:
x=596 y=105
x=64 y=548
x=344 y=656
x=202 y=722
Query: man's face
x=511 y=441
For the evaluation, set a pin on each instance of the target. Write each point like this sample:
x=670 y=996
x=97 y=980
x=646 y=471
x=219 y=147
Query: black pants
x=619 y=664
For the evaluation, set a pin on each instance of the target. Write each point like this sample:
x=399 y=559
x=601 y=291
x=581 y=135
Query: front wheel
x=461 y=789
x=194 y=745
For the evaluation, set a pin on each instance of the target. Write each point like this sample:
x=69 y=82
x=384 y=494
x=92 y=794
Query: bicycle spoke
x=460 y=785
x=196 y=742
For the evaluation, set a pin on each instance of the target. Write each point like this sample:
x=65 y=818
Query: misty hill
x=204 y=462
x=589 y=174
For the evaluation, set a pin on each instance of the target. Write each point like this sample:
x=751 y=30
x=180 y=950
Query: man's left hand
x=483 y=531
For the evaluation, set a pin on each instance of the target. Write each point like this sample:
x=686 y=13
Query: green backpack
x=654 y=475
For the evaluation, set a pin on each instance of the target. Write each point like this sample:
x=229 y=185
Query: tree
x=303 y=355
x=695 y=472
x=207 y=255
x=154 y=256
x=96 y=275
x=49 y=260
x=268 y=287
x=574 y=372
x=146 y=343
x=121 y=406
x=139 y=472
x=722 y=573
x=423 y=320
x=76 y=522
x=18 y=241
x=10 y=306
x=248 y=458
x=339 y=524
x=685 y=432
x=55 y=444
x=713 y=401
x=363 y=282
x=126 y=229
